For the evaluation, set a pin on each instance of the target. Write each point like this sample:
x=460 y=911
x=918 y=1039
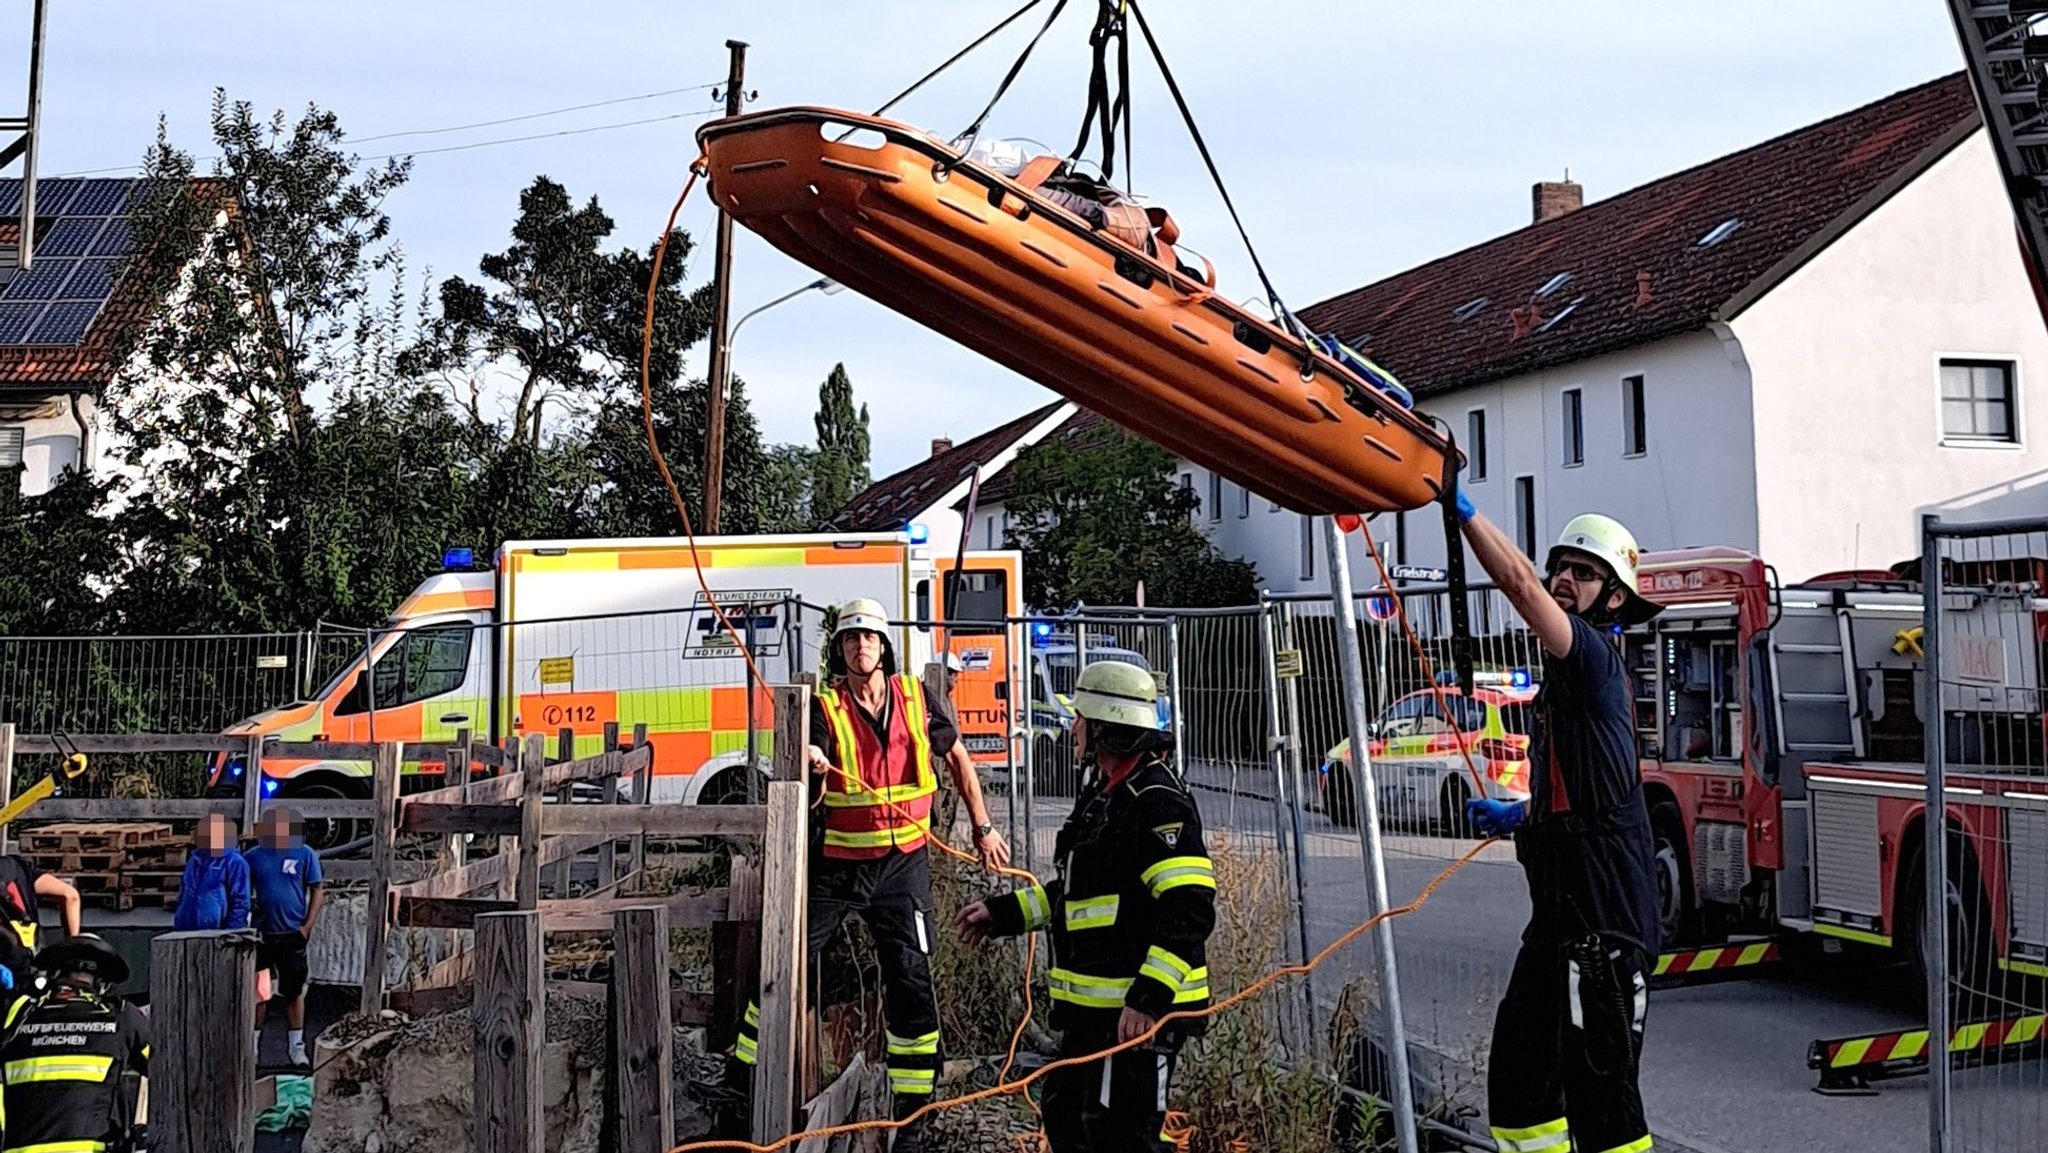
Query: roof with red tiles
x=88 y=364
x=1666 y=258
x=888 y=504
x=997 y=489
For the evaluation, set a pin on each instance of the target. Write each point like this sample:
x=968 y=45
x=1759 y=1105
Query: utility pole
x=24 y=146
x=721 y=311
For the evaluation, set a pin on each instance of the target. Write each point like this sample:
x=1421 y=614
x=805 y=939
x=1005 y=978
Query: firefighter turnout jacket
x=1132 y=907
x=62 y=1060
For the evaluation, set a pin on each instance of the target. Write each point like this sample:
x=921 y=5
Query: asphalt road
x=1724 y=1065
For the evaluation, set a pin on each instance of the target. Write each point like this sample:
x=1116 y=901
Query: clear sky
x=1358 y=138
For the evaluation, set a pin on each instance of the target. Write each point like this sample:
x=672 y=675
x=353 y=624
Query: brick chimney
x=1552 y=199
x=941 y=445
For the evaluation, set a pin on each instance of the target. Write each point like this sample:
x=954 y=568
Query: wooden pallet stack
x=113 y=866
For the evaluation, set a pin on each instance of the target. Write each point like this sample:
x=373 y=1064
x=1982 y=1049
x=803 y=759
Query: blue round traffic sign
x=1381 y=608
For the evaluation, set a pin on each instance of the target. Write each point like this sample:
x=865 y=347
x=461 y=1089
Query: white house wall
x=1693 y=486
x=1845 y=354
x=50 y=442
x=943 y=516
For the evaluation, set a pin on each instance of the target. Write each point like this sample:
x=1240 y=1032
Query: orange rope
x=1002 y=1088
x=1235 y=999
x=1428 y=671
x=647 y=419
x=697 y=169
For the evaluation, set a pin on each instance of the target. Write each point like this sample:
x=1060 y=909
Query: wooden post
x=533 y=761
x=252 y=784
x=455 y=772
x=513 y=761
x=508 y=1018
x=558 y=873
x=643 y=793
x=6 y=778
x=792 y=730
x=641 y=1059
x=785 y=894
x=735 y=953
x=383 y=832
x=608 y=853
x=202 y=992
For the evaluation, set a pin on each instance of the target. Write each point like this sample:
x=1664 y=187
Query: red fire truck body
x=1783 y=752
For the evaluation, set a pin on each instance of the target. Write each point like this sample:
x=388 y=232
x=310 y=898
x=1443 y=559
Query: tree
x=60 y=556
x=839 y=471
x=1099 y=512
x=260 y=282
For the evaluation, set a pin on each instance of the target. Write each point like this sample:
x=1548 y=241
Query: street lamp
x=721 y=360
x=824 y=284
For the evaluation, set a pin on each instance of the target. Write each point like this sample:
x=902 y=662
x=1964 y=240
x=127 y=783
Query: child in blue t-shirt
x=286 y=876
x=214 y=893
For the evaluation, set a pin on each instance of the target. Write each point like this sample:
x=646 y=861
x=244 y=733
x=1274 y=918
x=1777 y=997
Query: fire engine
x=1782 y=733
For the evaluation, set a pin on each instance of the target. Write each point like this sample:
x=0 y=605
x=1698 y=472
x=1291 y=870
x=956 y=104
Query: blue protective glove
x=1495 y=818
x=1465 y=510
x=6 y=977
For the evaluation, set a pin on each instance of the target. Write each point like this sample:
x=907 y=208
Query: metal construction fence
x=1985 y=636
x=1255 y=695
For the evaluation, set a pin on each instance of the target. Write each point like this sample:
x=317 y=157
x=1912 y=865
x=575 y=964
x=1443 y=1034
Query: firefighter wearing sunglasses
x=1568 y=1037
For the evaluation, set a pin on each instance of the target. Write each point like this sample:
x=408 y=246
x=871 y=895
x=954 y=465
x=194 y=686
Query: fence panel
x=1987 y=960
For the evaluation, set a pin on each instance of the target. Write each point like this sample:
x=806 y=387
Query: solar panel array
x=76 y=259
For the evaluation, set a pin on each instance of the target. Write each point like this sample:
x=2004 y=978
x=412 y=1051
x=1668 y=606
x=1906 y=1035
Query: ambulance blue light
x=919 y=533
x=269 y=787
x=1521 y=678
x=458 y=559
x=1041 y=632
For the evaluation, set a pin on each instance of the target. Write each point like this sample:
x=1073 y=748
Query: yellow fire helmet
x=1117 y=693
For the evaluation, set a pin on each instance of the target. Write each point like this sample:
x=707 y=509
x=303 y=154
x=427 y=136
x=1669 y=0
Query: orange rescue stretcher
x=1081 y=290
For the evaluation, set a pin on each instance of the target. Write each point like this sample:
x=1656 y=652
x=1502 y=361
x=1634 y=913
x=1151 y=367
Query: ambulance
x=575 y=635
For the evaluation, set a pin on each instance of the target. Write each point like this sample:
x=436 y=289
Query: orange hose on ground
x=1018 y=1086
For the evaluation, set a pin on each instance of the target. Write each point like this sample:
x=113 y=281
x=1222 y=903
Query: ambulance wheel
x=1338 y=802
x=730 y=788
x=1452 y=817
x=325 y=833
x=1677 y=915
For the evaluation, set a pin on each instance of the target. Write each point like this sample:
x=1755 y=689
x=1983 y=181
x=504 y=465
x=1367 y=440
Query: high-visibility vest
x=880 y=799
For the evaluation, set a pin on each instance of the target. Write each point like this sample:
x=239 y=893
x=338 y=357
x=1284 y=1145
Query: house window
x=1215 y=496
x=1635 y=427
x=1574 y=428
x=993 y=540
x=1977 y=401
x=1475 y=445
x=10 y=445
x=1308 y=547
x=1525 y=515
x=1244 y=502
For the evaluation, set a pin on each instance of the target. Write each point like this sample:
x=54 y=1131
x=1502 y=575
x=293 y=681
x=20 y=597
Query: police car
x=1055 y=665
x=1417 y=764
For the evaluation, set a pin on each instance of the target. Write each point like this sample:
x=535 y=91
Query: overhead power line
x=703 y=114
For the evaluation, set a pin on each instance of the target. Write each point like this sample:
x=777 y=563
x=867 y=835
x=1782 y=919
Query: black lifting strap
x=1280 y=311
x=1454 y=566
x=974 y=129
x=1109 y=25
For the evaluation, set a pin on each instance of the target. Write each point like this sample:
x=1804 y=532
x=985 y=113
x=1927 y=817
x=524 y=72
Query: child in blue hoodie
x=215 y=891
